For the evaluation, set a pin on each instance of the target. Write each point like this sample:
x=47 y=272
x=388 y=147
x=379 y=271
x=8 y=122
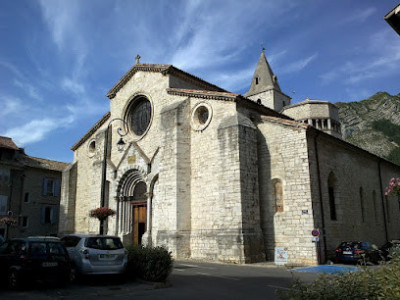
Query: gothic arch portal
x=132 y=201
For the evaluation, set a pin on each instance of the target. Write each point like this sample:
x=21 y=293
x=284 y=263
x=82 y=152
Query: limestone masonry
x=218 y=176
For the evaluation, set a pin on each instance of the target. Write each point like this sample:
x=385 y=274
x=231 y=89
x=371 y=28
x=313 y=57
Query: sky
x=58 y=59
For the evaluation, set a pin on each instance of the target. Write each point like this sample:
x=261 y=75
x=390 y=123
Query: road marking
x=279 y=287
x=217 y=276
x=187 y=265
x=194 y=266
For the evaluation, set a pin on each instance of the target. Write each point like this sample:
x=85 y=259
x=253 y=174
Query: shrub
x=149 y=263
x=381 y=283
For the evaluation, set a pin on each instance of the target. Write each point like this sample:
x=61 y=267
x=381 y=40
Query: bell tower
x=264 y=88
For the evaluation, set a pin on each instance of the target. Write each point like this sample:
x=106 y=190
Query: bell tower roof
x=263 y=78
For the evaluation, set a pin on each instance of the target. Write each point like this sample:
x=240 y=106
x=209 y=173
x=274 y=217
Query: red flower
x=101 y=213
x=8 y=221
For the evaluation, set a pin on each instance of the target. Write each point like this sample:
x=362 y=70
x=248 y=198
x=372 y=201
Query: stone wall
x=283 y=155
x=358 y=193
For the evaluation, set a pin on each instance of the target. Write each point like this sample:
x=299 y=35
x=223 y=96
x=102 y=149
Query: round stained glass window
x=139 y=115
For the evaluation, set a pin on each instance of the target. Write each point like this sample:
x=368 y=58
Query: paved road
x=189 y=280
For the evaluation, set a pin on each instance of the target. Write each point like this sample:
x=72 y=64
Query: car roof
x=37 y=239
x=91 y=235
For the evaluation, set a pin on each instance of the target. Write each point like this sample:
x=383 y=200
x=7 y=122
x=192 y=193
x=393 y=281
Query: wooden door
x=139 y=222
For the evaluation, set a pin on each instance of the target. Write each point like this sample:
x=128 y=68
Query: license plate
x=107 y=256
x=347 y=252
x=50 y=264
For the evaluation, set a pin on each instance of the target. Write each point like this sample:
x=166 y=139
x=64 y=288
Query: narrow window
x=26 y=198
x=278 y=194
x=47 y=215
x=362 y=205
x=256 y=80
x=375 y=207
x=24 y=221
x=387 y=208
x=331 y=193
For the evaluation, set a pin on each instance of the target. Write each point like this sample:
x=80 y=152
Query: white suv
x=96 y=254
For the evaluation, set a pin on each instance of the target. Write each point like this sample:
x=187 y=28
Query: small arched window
x=331 y=194
x=277 y=192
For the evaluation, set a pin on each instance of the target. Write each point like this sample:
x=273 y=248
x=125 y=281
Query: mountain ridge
x=373 y=124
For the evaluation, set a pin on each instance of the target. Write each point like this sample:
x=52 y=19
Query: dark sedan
x=24 y=260
x=358 y=252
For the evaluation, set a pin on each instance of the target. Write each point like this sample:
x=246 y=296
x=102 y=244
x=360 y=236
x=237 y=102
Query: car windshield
x=104 y=243
x=44 y=248
x=354 y=245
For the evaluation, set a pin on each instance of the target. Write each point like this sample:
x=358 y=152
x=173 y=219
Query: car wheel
x=13 y=279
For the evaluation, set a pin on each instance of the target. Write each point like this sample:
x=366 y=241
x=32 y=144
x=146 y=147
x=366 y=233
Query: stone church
x=219 y=176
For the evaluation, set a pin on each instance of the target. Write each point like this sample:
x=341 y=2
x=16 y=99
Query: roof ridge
x=46 y=159
x=164 y=69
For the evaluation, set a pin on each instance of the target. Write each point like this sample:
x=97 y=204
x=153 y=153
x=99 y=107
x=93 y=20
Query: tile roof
x=227 y=96
x=42 y=163
x=6 y=142
x=164 y=69
x=216 y=95
x=286 y=122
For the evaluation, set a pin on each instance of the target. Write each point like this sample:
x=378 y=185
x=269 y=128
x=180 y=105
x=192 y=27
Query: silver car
x=96 y=254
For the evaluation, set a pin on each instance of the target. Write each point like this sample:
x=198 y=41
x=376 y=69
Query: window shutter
x=54 y=214
x=56 y=187
x=44 y=186
x=42 y=217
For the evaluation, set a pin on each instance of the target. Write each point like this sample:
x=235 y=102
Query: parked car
x=358 y=252
x=390 y=249
x=96 y=254
x=24 y=260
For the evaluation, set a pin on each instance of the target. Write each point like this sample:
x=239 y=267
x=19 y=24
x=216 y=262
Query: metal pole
x=104 y=164
x=103 y=176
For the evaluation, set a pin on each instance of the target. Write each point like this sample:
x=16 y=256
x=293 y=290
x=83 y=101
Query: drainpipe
x=383 y=200
x=320 y=196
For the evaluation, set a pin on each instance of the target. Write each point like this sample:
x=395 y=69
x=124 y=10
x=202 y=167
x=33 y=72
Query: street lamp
x=120 y=145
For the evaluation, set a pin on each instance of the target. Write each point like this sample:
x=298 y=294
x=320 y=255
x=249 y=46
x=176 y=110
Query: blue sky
x=58 y=59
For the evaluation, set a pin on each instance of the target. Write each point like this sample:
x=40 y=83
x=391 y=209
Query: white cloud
x=73 y=86
x=234 y=81
x=383 y=60
x=61 y=19
x=29 y=89
x=215 y=33
x=9 y=105
x=360 y=15
x=36 y=130
x=298 y=65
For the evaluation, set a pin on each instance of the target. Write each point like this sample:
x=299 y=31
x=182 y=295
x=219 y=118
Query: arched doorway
x=139 y=212
x=132 y=206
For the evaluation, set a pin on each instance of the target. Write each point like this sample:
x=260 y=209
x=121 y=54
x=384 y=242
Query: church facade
x=219 y=176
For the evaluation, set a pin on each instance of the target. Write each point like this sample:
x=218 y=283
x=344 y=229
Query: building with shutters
x=29 y=191
x=219 y=176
